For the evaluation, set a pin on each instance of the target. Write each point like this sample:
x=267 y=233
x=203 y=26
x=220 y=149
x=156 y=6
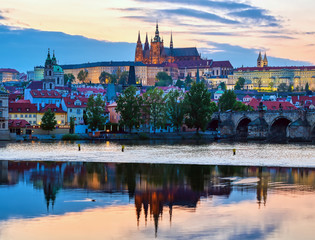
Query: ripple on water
x=247 y=154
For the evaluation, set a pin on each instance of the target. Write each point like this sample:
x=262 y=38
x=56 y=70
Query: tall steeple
x=171 y=43
x=259 y=60
x=139 y=50
x=139 y=40
x=54 y=60
x=146 y=45
x=48 y=59
x=197 y=76
x=265 y=61
x=157 y=34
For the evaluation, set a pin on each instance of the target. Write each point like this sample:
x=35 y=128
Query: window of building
x=27 y=109
x=78 y=111
x=3 y=125
x=0 y=103
x=11 y=109
x=70 y=110
x=22 y=115
x=0 y=113
x=15 y=115
x=10 y=116
x=34 y=115
x=30 y=115
x=19 y=109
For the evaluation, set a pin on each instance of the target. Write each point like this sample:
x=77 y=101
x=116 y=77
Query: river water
x=247 y=154
x=53 y=191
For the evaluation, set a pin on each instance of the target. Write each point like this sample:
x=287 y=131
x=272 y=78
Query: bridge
x=278 y=125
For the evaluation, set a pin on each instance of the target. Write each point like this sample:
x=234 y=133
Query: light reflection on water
x=84 y=200
x=247 y=154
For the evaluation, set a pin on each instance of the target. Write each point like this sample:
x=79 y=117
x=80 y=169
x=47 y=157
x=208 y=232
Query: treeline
x=193 y=108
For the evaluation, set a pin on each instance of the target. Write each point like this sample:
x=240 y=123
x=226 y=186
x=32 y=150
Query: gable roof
x=271 y=105
x=25 y=106
x=18 y=123
x=222 y=64
x=70 y=103
x=45 y=94
x=53 y=108
x=35 y=85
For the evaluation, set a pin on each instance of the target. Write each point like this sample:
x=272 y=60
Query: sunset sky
x=221 y=30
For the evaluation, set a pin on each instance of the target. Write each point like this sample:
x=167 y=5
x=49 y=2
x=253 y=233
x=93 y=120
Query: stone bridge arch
x=242 y=127
x=278 y=128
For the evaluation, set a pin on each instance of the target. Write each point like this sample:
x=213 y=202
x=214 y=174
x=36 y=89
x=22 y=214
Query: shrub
x=71 y=137
x=143 y=136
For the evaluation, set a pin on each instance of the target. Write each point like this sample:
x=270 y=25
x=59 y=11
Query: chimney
x=38 y=107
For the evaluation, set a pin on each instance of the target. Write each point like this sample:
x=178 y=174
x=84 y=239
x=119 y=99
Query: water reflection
x=32 y=189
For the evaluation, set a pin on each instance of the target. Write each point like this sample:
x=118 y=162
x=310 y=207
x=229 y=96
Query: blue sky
x=98 y=30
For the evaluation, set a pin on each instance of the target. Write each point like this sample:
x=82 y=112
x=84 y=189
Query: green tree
x=271 y=84
x=72 y=119
x=129 y=107
x=307 y=87
x=188 y=81
x=69 y=77
x=222 y=85
x=106 y=78
x=282 y=87
x=82 y=76
x=96 y=118
x=123 y=78
x=239 y=106
x=154 y=107
x=227 y=100
x=240 y=84
x=180 y=84
x=163 y=79
x=48 y=121
x=175 y=110
x=198 y=106
x=259 y=83
x=290 y=88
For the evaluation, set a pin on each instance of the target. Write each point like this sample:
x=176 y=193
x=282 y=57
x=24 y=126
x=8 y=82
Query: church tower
x=260 y=62
x=171 y=56
x=146 y=51
x=139 y=50
x=265 y=61
x=156 y=48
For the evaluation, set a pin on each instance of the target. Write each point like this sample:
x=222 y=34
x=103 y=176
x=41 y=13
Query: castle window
x=57 y=80
x=49 y=73
x=0 y=103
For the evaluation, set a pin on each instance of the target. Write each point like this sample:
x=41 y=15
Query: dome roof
x=58 y=69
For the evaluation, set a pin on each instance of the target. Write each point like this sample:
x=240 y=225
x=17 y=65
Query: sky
x=103 y=30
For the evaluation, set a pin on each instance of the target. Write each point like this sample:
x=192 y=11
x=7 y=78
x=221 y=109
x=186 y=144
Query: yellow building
x=24 y=110
x=269 y=78
x=95 y=69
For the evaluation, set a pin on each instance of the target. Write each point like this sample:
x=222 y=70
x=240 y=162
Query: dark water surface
x=85 y=200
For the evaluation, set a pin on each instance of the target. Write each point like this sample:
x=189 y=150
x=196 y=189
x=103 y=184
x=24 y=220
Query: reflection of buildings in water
x=154 y=200
x=262 y=187
x=4 y=172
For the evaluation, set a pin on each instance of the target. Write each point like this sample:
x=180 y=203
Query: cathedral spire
x=259 y=56
x=171 y=43
x=146 y=45
x=139 y=40
x=157 y=34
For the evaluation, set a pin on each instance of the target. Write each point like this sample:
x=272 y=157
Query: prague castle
x=156 y=53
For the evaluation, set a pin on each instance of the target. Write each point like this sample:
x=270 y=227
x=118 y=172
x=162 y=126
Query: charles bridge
x=278 y=125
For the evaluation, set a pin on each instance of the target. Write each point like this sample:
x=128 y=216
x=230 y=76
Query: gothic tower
x=146 y=52
x=156 y=48
x=265 y=61
x=139 y=50
x=260 y=62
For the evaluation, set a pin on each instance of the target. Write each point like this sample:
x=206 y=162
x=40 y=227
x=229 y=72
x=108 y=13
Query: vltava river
x=86 y=200
x=247 y=154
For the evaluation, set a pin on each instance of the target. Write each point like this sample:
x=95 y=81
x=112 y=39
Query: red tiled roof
x=22 y=106
x=45 y=94
x=276 y=68
x=9 y=70
x=15 y=123
x=271 y=105
x=303 y=99
x=94 y=90
x=70 y=102
x=53 y=108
